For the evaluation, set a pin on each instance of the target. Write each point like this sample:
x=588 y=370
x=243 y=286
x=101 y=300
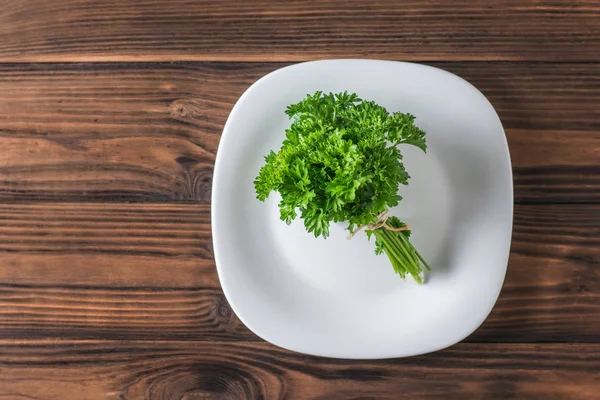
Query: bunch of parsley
x=340 y=162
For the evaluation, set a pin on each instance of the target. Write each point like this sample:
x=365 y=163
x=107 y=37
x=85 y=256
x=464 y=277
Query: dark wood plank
x=235 y=30
x=56 y=369
x=111 y=271
x=181 y=230
x=121 y=313
x=150 y=131
x=145 y=271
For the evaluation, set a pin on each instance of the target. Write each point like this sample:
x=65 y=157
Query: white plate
x=335 y=297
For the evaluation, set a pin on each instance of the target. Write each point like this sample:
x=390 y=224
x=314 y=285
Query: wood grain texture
x=264 y=30
x=110 y=118
x=148 y=132
x=145 y=271
x=53 y=370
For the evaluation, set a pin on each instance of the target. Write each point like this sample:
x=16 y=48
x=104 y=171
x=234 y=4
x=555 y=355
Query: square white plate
x=335 y=297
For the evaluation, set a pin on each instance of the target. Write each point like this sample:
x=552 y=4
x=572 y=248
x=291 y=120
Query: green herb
x=340 y=162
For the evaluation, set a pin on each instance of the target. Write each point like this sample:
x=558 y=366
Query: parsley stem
x=398 y=262
x=412 y=261
x=423 y=260
x=402 y=254
x=405 y=245
x=414 y=251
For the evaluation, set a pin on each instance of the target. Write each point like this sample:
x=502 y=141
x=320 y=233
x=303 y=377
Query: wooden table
x=110 y=118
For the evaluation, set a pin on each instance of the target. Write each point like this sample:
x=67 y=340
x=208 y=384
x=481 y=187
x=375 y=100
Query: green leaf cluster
x=340 y=162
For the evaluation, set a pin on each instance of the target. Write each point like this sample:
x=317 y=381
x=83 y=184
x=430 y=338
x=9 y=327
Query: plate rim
x=226 y=134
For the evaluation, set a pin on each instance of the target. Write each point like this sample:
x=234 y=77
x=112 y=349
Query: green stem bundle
x=404 y=257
